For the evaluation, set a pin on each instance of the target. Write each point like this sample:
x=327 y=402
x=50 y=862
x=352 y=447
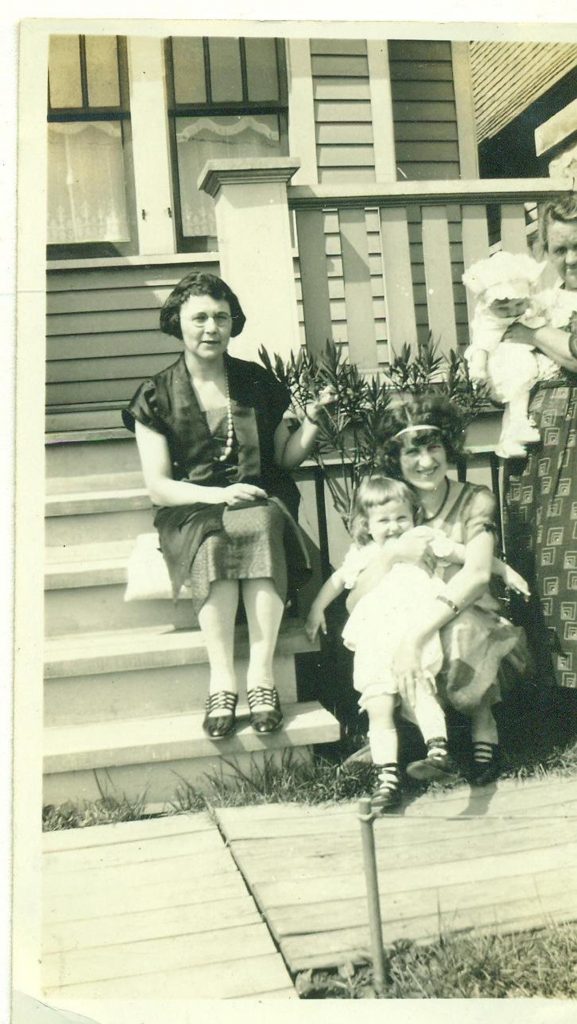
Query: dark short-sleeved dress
x=202 y=543
x=540 y=526
x=479 y=644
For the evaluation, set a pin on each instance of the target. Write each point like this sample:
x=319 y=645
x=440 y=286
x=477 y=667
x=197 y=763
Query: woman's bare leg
x=264 y=611
x=216 y=620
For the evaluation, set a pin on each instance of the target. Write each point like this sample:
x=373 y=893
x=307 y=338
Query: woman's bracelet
x=316 y=423
x=450 y=604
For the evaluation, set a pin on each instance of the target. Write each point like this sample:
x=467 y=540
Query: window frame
x=85 y=114
x=189 y=243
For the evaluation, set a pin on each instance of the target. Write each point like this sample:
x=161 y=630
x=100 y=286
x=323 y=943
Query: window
x=227 y=98
x=91 y=209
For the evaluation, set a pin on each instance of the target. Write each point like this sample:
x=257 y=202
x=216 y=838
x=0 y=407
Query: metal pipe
x=366 y=818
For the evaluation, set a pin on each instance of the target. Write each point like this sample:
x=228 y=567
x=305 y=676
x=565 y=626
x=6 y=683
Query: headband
x=413 y=427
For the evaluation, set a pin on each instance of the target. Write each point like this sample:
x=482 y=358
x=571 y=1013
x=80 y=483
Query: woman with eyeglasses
x=216 y=452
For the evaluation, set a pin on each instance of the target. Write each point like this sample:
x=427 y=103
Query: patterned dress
x=479 y=645
x=540 y=525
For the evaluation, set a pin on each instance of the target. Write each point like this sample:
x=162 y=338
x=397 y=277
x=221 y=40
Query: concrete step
x=114 y=651
x=152 y=758
x=85 y=585
x=85 y=452
x=173 y=690
x=96 y=511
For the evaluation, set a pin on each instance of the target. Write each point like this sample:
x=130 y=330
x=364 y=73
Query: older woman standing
x=421 y=437
x=540 y=500
x=215 y=453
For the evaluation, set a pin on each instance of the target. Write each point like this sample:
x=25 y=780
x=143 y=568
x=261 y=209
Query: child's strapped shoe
x=486 y=764
x=386 y=793
x=437 y=766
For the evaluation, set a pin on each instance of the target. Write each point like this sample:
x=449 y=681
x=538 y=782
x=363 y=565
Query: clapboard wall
x=424 y=111
x=343 y=116
x=103 y=339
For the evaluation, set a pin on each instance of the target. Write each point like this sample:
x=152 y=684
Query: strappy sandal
x=386 y=794
x=264 y=721
x=488 y=770
x=437 y=766
x=221 y=725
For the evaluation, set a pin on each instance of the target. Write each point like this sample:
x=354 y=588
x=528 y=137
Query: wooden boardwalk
x=499 y=859
x=164 y=909
x=153 y=910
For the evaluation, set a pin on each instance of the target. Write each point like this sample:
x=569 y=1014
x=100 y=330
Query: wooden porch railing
x=381 y=265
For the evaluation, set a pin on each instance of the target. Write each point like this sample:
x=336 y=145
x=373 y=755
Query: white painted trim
x=150 y=146
x=382 y=110
x=301 y=111
x=466 y=127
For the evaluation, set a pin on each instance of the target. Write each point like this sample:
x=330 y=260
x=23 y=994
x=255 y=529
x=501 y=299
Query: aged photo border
x=29 y=468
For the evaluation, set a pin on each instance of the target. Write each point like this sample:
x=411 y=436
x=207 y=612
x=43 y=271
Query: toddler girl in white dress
x=384 y=510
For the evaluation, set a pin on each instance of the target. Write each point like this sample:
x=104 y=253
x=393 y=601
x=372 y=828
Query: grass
x=519 y=965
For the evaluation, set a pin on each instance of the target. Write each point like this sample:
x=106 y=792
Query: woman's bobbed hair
x=199 y=283
x=373 y=491
x=562 y=210
x=444 y=418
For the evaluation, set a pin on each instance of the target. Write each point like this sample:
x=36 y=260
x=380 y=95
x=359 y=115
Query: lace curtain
x=86 y=183
x=209 y=138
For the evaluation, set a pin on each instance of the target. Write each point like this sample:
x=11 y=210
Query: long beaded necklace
x=427 y=519
x=229 y=424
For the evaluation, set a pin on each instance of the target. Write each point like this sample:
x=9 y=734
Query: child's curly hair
x=435 y=411
x=371 y=492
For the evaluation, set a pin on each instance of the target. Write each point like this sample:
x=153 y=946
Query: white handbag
x=147 y=573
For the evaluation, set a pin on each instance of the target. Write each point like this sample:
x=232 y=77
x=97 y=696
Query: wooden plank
x=475 y=242
x=125 y=896
x=126 y=831
x=382 y=107
x=345 y=156
x=441 y=131
x=141 y=851
x=255 y=976
x=353 y=111
x=338 y=46
x=437 y=258
x=414 y=50
x=107 y=276
x=114 y=368
x=513 y=228
x=141 y=296
x=360 y=325
x=106 y=879
x=341 y=89
x=429 y=91
x=422 y=151
x=431 y=172
x=334 y=914
x=424 y=71
x=103 y=322
x=78 y=392
x=301 y=129
x=313 y=266
x=347 y=886
x=329 y=949
x=181 y=919
x=339 y=65
x=338 y=176
x=397 y=278
x=127 y=343
x=344 y=133
x=465 y=108
x=167 y=954
x=423 y=111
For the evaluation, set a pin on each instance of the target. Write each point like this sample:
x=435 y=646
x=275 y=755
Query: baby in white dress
x=504 y=285
x=384 y=510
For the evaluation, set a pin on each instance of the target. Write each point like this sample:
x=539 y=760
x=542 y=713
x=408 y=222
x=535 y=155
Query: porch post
x=255 y=248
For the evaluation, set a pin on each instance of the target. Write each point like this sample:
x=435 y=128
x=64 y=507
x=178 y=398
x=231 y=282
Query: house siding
x=342 y=103
x=424 y=112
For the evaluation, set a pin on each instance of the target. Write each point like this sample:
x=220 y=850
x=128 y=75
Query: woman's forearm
x=554 y=342
x=299 y=445
x=165 y=491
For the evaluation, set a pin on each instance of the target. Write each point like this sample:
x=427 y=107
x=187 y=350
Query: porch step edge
x=171 y=738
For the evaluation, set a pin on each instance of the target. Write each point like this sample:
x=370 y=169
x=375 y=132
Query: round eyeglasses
x=220 y=320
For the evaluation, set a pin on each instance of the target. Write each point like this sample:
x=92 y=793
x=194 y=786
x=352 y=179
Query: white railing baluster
x=438 y=277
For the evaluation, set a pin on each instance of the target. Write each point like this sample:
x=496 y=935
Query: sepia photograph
x=268 y=272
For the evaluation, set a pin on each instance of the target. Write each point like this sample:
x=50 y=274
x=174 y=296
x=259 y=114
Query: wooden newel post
x=366 y=818
x=255 y=248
